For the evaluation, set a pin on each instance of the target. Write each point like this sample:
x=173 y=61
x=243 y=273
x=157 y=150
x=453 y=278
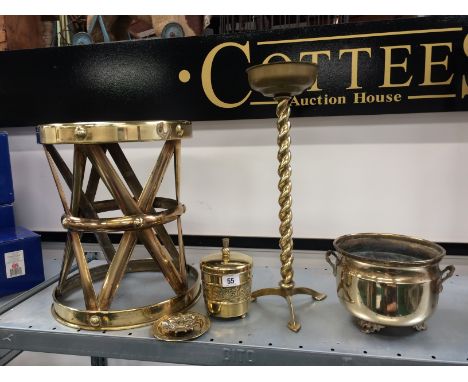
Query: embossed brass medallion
x=181 y=326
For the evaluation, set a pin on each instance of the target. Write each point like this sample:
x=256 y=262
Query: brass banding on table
x=124 y=223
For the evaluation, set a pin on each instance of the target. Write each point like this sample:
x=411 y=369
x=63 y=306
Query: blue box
x=6 y=181
x=7 y=218
x=21 y=265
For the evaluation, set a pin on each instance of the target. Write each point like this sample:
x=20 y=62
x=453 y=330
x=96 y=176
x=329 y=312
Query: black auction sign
x=400 y=66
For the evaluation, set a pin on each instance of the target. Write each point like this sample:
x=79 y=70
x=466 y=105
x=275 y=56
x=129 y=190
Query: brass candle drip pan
x=144 y=218
x=282 y=81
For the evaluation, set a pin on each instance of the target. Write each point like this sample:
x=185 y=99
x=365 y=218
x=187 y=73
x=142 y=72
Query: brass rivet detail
x=179 y=130
x=80 y=132
x=162 y=130
x=138 y=222
x=95 y=320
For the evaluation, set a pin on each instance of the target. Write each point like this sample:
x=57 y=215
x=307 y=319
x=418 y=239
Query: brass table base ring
x=127 y=318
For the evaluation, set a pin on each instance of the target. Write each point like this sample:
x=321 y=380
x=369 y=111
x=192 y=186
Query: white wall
x=387 y=173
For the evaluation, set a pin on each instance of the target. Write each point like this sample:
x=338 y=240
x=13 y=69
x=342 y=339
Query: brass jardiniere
x=388 y=280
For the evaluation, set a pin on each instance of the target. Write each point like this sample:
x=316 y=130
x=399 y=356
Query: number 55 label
x=231 y=280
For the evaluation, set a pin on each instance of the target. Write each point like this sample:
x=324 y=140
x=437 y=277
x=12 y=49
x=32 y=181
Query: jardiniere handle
x=450 y=270
x=327 y=257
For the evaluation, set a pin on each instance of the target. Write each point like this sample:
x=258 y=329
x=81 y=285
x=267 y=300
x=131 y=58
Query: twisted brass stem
x=283 y=111
x=286 y=286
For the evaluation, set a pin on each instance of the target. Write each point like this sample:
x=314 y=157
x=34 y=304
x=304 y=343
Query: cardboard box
x=6 y=181
x=21 y=265
x=7 y=218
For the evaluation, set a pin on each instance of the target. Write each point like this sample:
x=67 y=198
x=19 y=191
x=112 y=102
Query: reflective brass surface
x=124 y=223
x=282 y=78
x=181 y=326
x=227 y=301
x=112 y=132
x=138 y=203
x=388 y=280
x=126 y=318
x=282 y=81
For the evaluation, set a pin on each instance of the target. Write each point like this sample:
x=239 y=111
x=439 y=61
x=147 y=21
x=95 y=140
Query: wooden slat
x=21 y=32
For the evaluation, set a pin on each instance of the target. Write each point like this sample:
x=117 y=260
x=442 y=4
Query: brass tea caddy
x=227 y=282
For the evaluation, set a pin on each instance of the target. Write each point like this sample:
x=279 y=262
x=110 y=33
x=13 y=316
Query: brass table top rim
x=113 y=132
x=112 y=123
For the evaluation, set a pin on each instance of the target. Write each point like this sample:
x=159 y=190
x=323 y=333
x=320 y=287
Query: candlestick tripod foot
x=293 y=324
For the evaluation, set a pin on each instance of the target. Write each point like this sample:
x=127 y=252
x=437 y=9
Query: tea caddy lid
x=226 y=261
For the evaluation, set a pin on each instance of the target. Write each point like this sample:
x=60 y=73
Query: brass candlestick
x=282 y=81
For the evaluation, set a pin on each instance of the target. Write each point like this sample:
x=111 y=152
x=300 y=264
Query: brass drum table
x=144 y=216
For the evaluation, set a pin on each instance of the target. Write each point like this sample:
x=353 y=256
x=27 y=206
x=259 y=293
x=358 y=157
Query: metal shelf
x=328 y=335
